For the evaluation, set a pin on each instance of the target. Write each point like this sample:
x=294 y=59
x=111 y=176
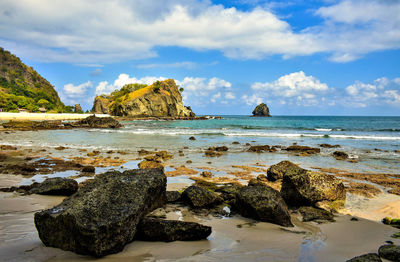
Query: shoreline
x=44 y=116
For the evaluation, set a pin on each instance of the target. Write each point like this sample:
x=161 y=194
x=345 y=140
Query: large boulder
x=154 y=229
x=302 y=187
x=98 y=122
x=100 y=105
x=56 y=186
x=199 y=197
x=390 y=252
x=315 y=214
x=370 y=257
x=277 y=171
x=263 y=203
x=261 y=110
x=101 y=218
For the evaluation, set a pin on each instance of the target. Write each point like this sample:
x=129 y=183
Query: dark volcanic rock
x=302 y=187
x=89 y=169
x=315 y=214
x=261 y=110
x=339 y=155
x=153 y=229
x=98 y=122
x=56 y=186
x=303 y=149
x=370 y=257
x=329 y=146
x=277 y=171
x=259 y=149
x=200 y=197
x=262 y=203
x=173 y=196
x=101 y=218
x=390 y=252
x=33 y=125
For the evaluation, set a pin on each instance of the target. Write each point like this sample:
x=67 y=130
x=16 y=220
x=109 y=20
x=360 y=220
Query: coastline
x=44 y=116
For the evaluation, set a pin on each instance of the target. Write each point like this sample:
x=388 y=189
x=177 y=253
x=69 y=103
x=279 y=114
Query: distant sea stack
x=261 y=110
x=161 y=99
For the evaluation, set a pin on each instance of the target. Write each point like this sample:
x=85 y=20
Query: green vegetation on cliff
x=22 y=87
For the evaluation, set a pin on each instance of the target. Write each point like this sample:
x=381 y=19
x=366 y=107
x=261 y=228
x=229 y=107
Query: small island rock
x=261 y=110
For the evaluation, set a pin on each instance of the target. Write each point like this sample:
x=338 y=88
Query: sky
x=318 y=57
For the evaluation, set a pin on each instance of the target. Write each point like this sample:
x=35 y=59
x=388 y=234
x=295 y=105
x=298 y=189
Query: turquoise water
x=371 y=140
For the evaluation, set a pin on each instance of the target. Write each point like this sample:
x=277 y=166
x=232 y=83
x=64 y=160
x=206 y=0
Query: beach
x=44 y=116
x=373 y=159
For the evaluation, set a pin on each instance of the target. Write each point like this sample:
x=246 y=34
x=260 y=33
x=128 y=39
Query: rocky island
x=161 y=99
x=261 y=110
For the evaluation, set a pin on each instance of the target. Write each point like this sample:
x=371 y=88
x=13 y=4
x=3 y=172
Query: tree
x=43 y=102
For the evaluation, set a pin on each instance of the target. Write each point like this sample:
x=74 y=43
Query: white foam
x=323 y=129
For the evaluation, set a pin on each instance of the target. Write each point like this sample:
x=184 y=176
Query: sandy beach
x=44 y=116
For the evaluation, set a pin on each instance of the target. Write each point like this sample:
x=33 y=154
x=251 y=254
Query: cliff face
x=261 y=110
x=161 y=99
x=22 y=87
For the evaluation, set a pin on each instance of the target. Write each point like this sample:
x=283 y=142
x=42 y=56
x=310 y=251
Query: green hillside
x=22 y=87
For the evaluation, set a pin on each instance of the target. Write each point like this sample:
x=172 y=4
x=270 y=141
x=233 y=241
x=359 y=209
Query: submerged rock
x=390 y=252
x=262 y=203
x=56 y=186
x=277 y=171
x=303 y=149
x=101 y=218
x=302 y=187
x=200 y=197
x=339 y=155
x=153 y=229
x=261 y=110
x=370 y=257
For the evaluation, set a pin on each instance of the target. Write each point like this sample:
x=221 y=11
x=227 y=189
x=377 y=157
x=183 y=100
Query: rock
x=262 y=203
x=219 y=148
x=56 y=186
x=329 y=146
x=235 y=143
x=206 y=174
x=303 y=149
x=277 y=171
x=161 y=99
x=100 y=105
x=212 y=153
x=78 y=108
x=101 y=218
x=301 y=187
x=262 y=178
x=261 y=110
x=173 y=196
x=7 y=147
x=197 y=196
x=150 y=165
x=153 y=229
x=370 y=257
x=390 y=252
x=33 y=125
x=97 y=122
x=192 y=138
x=339 y=155
x=259 y=149
x=391 y=221
x=315 y=214
x=88 y=169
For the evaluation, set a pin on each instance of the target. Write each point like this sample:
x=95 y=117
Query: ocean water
x=371 y=140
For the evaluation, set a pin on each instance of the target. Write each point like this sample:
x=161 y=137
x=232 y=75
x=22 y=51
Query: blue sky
x=320 y=57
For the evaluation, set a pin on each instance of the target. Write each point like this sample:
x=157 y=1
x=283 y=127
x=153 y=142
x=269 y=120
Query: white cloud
x=230 y=95
x=295 y=88
x=74 y=91
x=382 y=91
x=106 y=88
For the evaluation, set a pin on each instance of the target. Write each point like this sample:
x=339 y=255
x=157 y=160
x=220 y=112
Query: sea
x=374 y=142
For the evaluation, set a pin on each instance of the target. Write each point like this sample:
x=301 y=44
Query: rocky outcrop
x=370 y=257
x=33 y=125
x=161 y=99
x=78 y=108
x=100 y=105
x=101 y=218
x=262 y=203
x=315 y=214
x=340 y=155
x=98 y=122
x=390 y=252
x=301 y=187
x=277 y=171
x=303 y=149
x=56 y=186
x=199 y=197
x=154 y=229
x=261 y=110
